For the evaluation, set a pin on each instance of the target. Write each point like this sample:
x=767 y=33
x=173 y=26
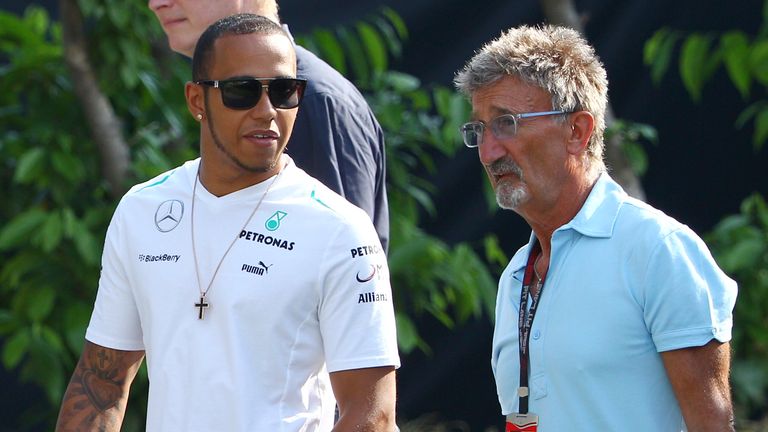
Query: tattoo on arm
x=97 y=394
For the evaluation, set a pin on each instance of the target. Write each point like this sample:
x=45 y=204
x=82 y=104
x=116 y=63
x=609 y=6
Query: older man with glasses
x=614 y=316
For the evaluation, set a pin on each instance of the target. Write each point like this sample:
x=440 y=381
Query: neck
x=561 y=210
x=223 y=183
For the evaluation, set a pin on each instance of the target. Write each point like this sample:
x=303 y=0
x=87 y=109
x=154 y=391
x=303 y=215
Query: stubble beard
x=220 y=145
x=509 y=195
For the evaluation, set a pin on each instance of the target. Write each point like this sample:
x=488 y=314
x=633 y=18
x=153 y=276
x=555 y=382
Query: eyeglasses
x=502 y=127
x=245 y=93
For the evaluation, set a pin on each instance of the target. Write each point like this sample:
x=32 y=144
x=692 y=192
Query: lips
x=169 y=22
x=262 y=137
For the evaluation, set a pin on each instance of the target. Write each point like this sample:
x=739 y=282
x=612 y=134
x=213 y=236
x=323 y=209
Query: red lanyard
x=524 y=324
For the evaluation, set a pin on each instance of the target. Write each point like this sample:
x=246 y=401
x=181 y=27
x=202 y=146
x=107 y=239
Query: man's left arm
x=366 y=399
x=699 y=377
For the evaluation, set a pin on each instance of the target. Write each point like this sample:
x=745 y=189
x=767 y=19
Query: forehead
x=256 y=55
x=508 y=95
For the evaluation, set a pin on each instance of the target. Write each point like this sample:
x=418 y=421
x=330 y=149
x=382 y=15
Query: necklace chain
x=203 y=293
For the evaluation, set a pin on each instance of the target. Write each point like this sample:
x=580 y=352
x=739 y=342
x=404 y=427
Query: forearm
x=366 y=399
x=699 y=377
x=97 y=394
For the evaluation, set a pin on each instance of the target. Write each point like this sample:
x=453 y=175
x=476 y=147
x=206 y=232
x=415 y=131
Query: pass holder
x=517 y=422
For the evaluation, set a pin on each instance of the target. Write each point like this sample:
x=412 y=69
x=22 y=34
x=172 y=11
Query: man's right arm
x=97 y=394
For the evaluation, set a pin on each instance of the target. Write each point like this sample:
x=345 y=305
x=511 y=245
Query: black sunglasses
x=245 y=93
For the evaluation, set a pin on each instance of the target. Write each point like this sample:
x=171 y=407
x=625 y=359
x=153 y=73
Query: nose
x=264 y=109
x=157 y=4
x=490 y=148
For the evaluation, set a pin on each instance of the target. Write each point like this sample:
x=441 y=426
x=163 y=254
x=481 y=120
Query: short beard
x=235 y=160
x=508 y=196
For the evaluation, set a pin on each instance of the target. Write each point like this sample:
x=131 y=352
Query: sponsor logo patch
x=259 y=270
x=374 y=271
x=273 y=223
x=168 y=215
x=159 y=258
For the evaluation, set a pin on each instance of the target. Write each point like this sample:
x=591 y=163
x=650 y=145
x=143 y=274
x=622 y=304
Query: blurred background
x=687 y=90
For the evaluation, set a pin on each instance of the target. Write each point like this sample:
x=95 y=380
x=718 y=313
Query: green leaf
x=657 y=52
x=402 y=82
x=76 y=318
x=331 y=50
x=397 y=22
x=20 y=228
x=51 y=232
x=735 y=48
x=31 y=165
x=37 y=20
x=44 y=298
x=394 y=45
x=693 y=64
x=742 y=255
x=66 y=164
x=86 y=244
x=150 y=84
x=15 y=348
x=374 y=46
x=360 y=67
x=407 y=335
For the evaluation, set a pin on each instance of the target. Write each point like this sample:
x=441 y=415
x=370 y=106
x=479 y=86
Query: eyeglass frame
x=515 y=118
x=301 y=88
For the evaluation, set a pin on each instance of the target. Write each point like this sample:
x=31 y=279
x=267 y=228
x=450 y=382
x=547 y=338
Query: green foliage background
x=56 y=204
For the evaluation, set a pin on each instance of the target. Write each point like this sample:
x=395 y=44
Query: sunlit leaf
x=374 y=46
x=30 y=165
x=735 y=48
x=693 y=64
x=19 y=229
x=331 y=49
x=15 y=348
x=658 y=52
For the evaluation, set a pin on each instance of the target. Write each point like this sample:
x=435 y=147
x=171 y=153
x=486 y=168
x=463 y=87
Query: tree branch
x=102 y=121
x=563 y=12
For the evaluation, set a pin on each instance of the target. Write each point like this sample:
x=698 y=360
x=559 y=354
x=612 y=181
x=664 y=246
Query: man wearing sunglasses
x=614 y=316
x=259 y=297
x=337 y=139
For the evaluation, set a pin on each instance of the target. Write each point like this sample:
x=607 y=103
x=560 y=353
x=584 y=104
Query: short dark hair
x=239 y=24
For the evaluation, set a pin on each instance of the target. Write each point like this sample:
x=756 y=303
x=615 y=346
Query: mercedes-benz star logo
x=168 y=215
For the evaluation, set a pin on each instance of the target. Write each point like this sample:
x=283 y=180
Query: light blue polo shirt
x=625 y=282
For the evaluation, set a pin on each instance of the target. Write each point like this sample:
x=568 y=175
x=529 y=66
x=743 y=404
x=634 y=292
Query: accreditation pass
x=517 y=422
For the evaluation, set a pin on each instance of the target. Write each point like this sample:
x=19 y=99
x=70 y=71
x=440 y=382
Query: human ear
x=195 y=100
x=582 y=125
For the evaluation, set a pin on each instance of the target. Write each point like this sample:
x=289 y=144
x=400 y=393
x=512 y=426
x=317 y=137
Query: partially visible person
x=336 y=139
x=614 y=316
x=259 y=297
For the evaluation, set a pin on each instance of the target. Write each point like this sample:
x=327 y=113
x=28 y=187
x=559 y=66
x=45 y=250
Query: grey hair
x=556 y=59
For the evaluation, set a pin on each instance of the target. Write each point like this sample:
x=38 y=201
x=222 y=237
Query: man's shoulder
x=167 y=184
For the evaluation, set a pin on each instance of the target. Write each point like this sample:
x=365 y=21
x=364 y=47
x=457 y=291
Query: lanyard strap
x=525 y=322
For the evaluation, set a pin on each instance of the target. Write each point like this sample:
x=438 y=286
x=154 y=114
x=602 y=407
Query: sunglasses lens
x=240 y=95
x=285 y=93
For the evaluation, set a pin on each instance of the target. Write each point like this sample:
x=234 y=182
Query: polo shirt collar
x=596 y=218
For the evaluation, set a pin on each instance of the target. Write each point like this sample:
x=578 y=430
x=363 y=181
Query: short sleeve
x=688 y=299
x=115 y=319
x=356 y=311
